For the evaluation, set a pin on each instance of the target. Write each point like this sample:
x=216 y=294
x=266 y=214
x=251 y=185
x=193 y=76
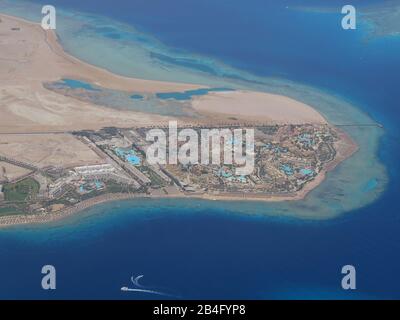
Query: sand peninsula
x=40 y=120
x=31 y=56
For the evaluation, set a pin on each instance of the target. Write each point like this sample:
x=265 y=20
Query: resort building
x=57 y=189
x=95 y=170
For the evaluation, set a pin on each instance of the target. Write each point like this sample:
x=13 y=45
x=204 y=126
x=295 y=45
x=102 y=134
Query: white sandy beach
x=257 y=105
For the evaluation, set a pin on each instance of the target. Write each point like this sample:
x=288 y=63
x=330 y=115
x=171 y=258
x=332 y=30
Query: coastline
x=34 y=108
x=211 y=247
x=344 y=153
x=298 y=196
x=93 y=73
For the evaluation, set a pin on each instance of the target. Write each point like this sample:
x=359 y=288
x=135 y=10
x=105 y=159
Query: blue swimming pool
x=129 y=155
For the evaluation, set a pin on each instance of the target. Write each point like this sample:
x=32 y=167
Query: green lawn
x=9 y=211
x=21 y=190
x=113 y=187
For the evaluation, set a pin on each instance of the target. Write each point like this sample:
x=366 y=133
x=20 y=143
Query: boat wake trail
x=140 y=288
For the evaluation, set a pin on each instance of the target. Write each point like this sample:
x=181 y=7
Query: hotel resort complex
x=287 y=158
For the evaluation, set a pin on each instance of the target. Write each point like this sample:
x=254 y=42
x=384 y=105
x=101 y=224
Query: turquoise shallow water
x=81 y=34
x=150 y=103
x=120 y=100
x=211 y=249
x=76 y=84
x=187 y=95
x=136 y=97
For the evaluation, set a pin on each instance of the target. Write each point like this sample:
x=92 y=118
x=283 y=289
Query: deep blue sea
x=193 y=249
